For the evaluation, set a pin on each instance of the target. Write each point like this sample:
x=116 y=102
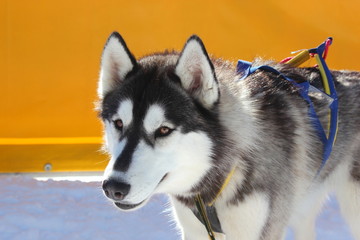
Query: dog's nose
x=115 y=190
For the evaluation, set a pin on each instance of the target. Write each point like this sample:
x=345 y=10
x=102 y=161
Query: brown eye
x=163 y=131
x=118 y=124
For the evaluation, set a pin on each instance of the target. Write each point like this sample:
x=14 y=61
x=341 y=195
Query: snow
x=34 y=209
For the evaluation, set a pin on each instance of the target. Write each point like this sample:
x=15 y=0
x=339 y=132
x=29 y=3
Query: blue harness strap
x=334 y=106
x=245 y=68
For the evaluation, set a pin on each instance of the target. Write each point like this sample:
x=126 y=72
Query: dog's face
x=157 y=118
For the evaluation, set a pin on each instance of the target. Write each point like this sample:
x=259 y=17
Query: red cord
x=286 y=60
x=327 y=45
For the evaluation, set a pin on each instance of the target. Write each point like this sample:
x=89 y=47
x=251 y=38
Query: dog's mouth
x=128 y=206
x=124 y=206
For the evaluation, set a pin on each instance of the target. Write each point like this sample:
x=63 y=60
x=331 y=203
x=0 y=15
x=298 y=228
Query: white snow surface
x=32 y=209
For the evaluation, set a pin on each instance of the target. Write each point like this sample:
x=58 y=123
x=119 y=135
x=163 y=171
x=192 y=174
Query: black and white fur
x=177 y=123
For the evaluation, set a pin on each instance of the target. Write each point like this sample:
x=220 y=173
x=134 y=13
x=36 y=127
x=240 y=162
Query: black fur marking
x=355 y=172
x=124 y=159
x=355 y=168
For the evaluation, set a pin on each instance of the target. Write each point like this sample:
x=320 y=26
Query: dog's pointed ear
x=196 y=72
x=116 y=62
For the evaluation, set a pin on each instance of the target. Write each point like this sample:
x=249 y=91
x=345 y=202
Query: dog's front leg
x=247 y=218
x=191 y=227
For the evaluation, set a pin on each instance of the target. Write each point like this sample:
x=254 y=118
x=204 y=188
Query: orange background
x=50 y=55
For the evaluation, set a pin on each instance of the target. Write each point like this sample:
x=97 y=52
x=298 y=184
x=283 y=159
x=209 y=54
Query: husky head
x=159 y=115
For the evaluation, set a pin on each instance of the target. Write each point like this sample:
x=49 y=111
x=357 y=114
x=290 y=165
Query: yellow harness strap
x=226 y=182
x=202 y=209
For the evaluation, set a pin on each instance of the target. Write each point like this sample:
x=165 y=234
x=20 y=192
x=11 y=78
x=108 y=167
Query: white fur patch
x=125 y=112
x=147 y=168
x=247 y=219
x=190 y=157
x=175 y=156
x=111 y=134
x=115 y=64
x=154 y=118
x=243 y=221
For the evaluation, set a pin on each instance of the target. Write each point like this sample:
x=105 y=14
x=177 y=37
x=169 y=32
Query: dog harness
x=207 y=214
x=304 y=88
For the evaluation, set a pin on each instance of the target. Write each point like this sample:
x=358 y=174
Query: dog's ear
x=196 y=72
x=116 y=62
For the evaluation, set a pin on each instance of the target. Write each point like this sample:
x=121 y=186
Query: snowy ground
x=32 y=209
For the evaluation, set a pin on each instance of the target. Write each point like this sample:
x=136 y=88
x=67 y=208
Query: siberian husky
x=183 y=124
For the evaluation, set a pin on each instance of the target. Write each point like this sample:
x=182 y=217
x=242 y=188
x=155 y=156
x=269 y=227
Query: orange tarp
x=50 y=54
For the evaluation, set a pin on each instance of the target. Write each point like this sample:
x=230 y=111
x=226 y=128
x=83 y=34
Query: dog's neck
x=223 y=188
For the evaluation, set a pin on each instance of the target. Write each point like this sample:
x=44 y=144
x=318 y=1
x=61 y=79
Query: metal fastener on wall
x=47 y=167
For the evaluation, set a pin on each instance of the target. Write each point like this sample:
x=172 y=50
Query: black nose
x=115 y=190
